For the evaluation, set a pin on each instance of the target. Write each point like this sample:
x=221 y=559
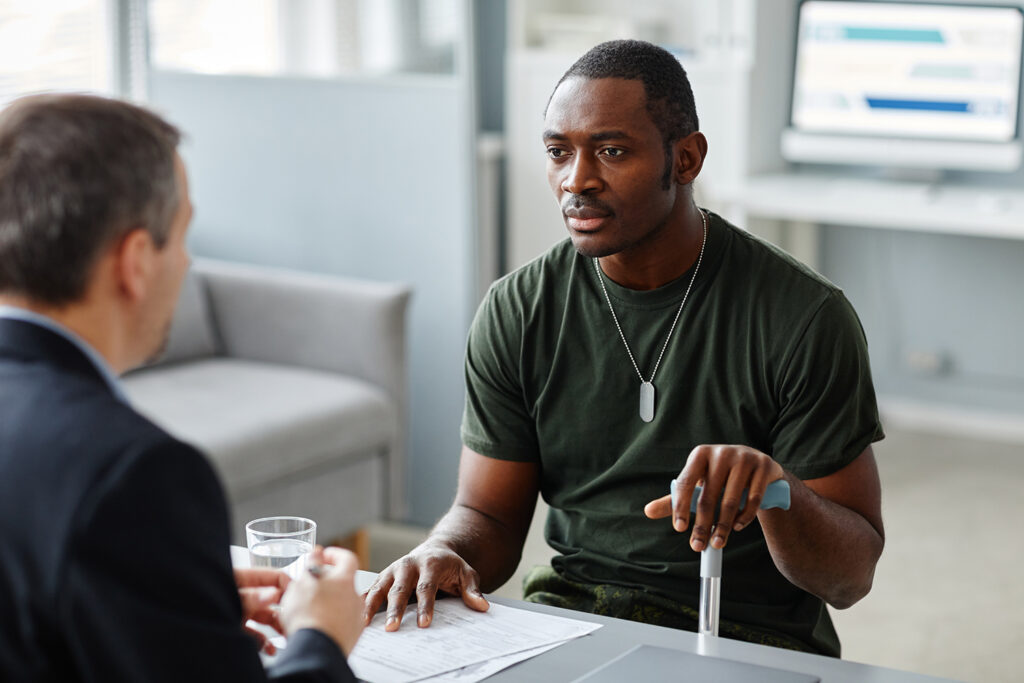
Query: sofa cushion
x=261 y=423
x=192 y=335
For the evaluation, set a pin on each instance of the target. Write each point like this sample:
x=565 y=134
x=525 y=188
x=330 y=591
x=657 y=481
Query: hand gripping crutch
x=775 y=496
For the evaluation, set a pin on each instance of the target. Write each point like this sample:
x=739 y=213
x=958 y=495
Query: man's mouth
x=584 y=219
x=585 y=224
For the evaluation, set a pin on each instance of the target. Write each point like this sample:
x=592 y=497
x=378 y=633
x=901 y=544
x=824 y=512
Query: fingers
x=406 y=575
x=453 y=576
x=733 y=497
x=471 y=594
x=659 y=508
x=261 y=640
x=344 y=560
x=326 y=601
x=426 y=593
x=693 y=473
x=422 y=573
x=724 y=472
x=252 y=578
x=758 y=484
x=376 y=596
x=257 y=604
x=707 y=504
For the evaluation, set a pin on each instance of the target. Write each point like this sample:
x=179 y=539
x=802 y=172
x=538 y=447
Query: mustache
x=582 y=201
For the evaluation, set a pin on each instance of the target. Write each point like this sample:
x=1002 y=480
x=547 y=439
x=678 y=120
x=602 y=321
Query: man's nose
x=581 y=176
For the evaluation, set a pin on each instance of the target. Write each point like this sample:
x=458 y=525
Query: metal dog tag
x=646 y=401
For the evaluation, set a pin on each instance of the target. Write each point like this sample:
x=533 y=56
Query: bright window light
x=318 y=38
x=55 y=45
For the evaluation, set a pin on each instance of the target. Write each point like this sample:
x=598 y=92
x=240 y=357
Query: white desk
x=843 y=200
x=576 y=658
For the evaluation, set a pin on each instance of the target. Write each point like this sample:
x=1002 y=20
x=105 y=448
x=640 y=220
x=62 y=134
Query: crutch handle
x=776 y=495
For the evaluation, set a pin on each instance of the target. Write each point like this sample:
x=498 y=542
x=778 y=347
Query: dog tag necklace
x=647 y=385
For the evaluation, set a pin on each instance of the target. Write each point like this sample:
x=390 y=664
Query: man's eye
x=612 y=152
x=555 y=153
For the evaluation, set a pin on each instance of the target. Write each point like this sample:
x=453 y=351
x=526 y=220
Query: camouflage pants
x=545 y=586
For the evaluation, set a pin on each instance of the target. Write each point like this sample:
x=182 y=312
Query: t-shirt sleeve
x=496 y=420
x=828 y=414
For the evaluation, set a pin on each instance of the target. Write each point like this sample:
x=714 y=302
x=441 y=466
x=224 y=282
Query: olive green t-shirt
x=766 y=353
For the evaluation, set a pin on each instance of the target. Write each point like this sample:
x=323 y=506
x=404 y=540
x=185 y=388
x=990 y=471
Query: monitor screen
x=924 y=71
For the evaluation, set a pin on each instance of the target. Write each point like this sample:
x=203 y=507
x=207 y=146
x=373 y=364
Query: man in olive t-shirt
x=657 y=342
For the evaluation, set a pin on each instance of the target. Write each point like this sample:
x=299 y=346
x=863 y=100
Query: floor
x=948 y=597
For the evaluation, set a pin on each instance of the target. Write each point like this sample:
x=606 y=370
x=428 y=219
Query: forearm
x=823 y=547
x=491 y=547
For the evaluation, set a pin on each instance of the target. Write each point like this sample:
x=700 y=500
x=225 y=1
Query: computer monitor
x=907 y=85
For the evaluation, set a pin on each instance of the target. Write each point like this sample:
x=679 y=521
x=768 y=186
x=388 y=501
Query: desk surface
x=616 y=636
x=839 y=200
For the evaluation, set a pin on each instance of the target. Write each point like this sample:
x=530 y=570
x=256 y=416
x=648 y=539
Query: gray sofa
x=295 y=386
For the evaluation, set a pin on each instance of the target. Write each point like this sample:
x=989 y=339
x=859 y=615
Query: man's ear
x=689 y=153
x=134 y=261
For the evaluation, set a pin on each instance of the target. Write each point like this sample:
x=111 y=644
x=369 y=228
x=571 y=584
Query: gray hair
x=78 y=173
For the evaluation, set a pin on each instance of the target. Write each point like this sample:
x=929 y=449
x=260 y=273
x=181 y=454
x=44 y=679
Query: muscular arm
x=475 y=546
x=827 y=543
x=830 y=539
x=488 y=523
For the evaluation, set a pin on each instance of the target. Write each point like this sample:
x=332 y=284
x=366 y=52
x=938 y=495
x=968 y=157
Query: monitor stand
x=912 y=176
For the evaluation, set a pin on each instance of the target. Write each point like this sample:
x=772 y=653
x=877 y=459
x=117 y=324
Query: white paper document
x=478 y=672
x=458 y=637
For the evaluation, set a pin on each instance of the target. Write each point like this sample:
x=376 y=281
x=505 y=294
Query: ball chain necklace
x=647 y=385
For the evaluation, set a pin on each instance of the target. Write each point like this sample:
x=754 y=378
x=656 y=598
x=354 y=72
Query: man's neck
x=666 y=256
x=94 y=328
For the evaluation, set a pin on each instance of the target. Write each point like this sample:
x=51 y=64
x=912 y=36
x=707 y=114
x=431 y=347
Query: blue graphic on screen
x=898 y=35
x=909 y=70
x=920 y=105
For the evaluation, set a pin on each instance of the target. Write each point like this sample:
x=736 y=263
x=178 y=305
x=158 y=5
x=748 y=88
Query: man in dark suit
x=114 y=562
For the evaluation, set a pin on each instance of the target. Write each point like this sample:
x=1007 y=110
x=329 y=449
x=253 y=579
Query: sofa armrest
x=349 y=326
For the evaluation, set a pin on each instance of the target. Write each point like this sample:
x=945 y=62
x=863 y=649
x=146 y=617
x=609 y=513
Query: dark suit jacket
x=114 y=561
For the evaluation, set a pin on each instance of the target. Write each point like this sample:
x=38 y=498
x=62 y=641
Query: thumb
x=471 y=594
x=659 y=507
x=343 y=560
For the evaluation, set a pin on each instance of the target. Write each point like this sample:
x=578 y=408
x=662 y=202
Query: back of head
x=77 y=173
x=669 y=96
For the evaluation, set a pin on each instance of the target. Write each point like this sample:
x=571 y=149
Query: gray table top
x=616 y=636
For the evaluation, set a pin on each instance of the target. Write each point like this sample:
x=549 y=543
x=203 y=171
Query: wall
x=942 y=312
x=490 y=63
x=361 y=178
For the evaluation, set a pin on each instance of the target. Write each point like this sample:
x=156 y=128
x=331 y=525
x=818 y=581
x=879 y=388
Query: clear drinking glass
x=280 y=542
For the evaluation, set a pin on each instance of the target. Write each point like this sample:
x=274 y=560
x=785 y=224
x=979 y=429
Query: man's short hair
x=77 y=173
x=669 y=96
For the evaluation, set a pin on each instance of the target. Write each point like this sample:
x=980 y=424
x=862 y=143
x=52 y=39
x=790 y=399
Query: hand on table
x=260 y=590
x=427 y=569
x=328 y=602
x=723 y=471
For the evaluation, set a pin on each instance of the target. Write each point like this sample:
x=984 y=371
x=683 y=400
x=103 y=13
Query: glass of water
x=280 y=542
